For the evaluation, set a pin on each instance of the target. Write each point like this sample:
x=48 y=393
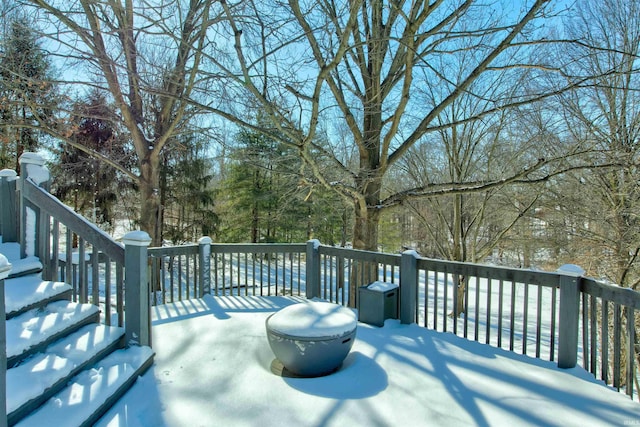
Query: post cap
x=411 y=252
x=8 y=173
x=31 y=159
x=315 y=242
x=571 y=270
x=137 y=238
x=205 y=240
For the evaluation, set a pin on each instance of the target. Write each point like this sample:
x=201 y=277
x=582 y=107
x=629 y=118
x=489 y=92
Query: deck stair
x=63 y=365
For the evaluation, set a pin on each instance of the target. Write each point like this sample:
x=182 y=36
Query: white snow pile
x=313 y=319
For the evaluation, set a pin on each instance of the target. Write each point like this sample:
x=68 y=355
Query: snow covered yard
x=213 y=368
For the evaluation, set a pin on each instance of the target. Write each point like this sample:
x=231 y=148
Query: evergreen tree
x=28 y=97
x=187 y=194
x=265 y=198
x=246 y=198
x=82 y=180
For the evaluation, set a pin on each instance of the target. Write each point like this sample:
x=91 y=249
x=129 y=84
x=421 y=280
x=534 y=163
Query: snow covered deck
x=212 y=368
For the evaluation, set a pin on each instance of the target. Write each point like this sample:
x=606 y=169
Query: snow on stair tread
x=90 y=339
x=28 y=380
x=24 y=291
x=11 y=250
x=35 y=326
x=23 y=265
x=89 y=389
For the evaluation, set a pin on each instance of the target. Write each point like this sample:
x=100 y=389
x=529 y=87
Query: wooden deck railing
x=100 y=270
x=555 y=316
x=610 y=321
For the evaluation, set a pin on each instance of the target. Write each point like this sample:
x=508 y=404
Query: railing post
x=313 y=269
x=8 y=226
x=204 y=263
x=136 y=289
x=569 y=316
x=408 y=286
x=31 y=166
x=5 y=268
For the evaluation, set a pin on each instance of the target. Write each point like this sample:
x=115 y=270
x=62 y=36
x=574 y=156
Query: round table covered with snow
x=311 y=338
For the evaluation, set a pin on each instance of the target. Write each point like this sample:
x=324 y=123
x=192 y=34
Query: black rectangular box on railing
x=376 y=302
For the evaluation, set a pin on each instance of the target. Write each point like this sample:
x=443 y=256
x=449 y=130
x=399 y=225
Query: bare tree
x=375 y=65
x=467 y=227
x=147 y=57
x=606 y=114
x=371 y=61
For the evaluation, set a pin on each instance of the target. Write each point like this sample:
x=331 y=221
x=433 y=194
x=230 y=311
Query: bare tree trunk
x=365 y=228
x=149 y=184
x=365 y=237
x=458 y=254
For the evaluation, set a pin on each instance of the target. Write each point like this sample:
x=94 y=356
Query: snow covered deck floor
x=212 y=368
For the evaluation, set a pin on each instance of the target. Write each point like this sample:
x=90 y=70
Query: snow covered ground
x=213 y=368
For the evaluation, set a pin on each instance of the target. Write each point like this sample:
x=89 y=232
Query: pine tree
x=27 y=95
x=187 y=194
x=265 y=198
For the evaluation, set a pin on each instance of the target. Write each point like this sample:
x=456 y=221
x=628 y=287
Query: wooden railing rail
x=342 y=271
x=173 y=273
